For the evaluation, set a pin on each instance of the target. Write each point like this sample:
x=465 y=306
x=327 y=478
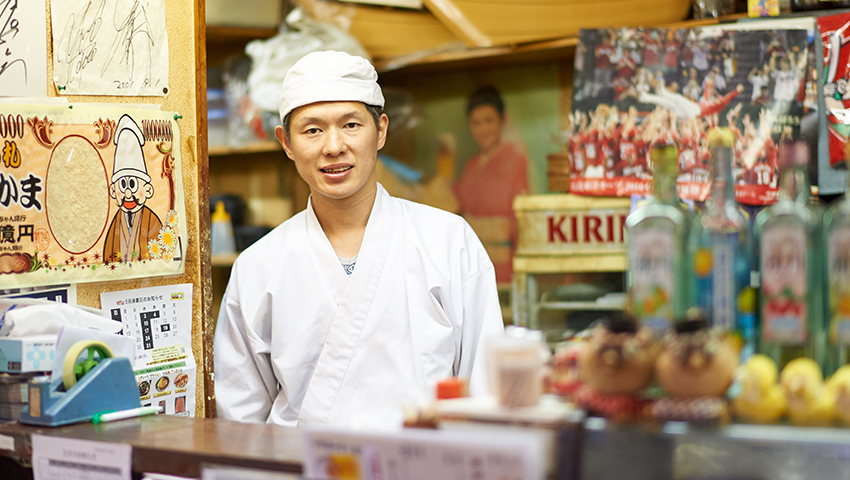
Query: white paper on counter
x=110 y=47
x=223 y=472
x=23 y=41
x=160 y=320
x=416 y=454
x=57 y=458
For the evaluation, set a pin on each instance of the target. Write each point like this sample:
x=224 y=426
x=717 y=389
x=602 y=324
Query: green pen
x=122 y=414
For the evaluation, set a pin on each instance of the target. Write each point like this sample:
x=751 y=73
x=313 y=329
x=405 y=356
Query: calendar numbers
x=152 y=325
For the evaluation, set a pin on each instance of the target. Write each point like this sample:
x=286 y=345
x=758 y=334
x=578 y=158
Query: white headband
x=329 y=77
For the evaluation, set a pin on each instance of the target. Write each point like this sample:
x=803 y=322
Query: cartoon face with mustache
x=134 y=225
x=130 y=192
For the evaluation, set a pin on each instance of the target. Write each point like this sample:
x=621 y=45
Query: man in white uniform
x=362 y=302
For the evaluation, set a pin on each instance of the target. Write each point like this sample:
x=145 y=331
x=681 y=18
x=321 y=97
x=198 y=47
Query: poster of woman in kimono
x=491 y=179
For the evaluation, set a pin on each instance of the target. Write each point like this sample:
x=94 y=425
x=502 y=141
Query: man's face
x=485 y=123
x=335 y=147
x=130 y=193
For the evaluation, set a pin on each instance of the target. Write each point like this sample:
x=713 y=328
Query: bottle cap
x=220 y=214
x=664 y=158
x=451 y=388
x=721 y=137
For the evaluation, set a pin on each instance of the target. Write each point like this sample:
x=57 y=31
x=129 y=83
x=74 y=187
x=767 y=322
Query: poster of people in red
x=635 y=88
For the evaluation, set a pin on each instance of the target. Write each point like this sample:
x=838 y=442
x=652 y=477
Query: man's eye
x=123 y=184
x=312 y=131
x=351 y=124
x=133 y=184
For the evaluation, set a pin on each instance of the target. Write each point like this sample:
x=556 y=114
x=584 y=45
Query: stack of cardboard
x=14 y=394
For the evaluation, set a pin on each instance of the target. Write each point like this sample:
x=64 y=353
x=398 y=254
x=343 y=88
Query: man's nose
x=334 y=145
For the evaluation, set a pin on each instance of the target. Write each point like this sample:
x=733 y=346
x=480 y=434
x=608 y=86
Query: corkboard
x=187 y=97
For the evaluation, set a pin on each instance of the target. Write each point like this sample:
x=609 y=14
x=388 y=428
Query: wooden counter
x=173 y=445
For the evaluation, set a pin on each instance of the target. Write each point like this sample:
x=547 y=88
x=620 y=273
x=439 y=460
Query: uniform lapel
x=354 y=305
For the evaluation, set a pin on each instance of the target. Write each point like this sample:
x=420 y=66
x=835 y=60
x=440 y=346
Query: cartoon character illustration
x=135 y=224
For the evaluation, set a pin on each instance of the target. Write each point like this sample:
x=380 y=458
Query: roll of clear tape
x=73 y=368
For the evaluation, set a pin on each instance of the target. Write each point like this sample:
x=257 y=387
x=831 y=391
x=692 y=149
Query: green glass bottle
x=791 y=297
x=721 y=241
x=837 y=251
x=657 y=242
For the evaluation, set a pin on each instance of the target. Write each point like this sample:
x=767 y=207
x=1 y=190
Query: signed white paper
x=23 y=41
x=110 y=47
x=55 y=458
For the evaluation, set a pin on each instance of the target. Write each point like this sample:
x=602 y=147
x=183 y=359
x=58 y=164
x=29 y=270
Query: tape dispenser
x=93 y=381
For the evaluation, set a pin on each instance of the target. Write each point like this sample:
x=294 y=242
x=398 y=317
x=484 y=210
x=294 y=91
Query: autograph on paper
x=110 y=46
x=10 y=64
x=130 y=28
x=78 y=41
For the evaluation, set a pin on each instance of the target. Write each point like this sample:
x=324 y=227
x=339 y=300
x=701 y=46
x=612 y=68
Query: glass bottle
x=788 y=232
x=657 y=243
x=722 y=242
x=837 y=251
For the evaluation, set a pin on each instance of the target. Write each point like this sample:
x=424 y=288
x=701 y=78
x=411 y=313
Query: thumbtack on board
x=177 y=117
x=61 y=87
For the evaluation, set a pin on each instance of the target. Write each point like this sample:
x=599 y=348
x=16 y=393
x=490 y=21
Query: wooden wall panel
x=187 y=96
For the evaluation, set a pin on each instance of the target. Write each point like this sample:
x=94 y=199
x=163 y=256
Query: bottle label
x=715 y=271
x=723 y=283
x=784 y=280
x=839 y=285
x=651 y=264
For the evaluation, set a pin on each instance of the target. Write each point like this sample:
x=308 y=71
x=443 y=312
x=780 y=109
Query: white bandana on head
x=329 y=77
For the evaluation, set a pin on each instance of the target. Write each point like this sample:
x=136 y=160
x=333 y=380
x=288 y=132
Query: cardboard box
x=567 y=224
x=245 y=13
x=27 y=354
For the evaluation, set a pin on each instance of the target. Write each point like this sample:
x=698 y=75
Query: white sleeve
x=245 y=385
x=482 y=318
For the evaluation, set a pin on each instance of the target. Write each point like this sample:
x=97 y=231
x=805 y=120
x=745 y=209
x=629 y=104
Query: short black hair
x=375 y=110
x=485 y=95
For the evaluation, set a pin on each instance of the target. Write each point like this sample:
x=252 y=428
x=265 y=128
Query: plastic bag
x=274 y=57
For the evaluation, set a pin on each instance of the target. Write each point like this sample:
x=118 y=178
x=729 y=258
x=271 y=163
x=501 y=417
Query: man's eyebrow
x=308 y=120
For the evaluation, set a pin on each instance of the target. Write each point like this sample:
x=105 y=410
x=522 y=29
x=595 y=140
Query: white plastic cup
x=515 y=367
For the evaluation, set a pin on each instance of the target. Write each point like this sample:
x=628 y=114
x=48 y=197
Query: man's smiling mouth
x=337 y=169
x=129 y=205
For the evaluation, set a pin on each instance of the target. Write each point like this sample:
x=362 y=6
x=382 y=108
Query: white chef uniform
x=298 y=340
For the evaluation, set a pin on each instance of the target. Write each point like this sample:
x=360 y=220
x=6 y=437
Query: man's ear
x=280 y=133
x=383 y=126
x=112 y=192
x=148 y=189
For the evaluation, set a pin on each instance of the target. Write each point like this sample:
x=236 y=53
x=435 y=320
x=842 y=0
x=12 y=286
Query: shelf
x=224 y=34
x=548 y=50
x=739 y=451
x=259 y=147
x=581 y=305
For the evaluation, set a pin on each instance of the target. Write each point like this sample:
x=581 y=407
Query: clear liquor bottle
x=837 y=252
x=791 y=299
x=722 y=242
x=657 y=242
